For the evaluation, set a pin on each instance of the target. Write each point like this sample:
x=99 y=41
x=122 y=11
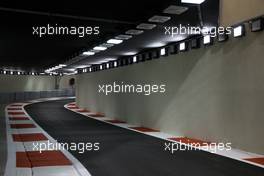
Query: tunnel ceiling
x=19 y=49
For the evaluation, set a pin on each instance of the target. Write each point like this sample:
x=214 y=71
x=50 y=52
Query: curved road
x=128 y=153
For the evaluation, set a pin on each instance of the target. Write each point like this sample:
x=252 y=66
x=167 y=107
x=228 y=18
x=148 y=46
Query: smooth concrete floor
x=3 y=148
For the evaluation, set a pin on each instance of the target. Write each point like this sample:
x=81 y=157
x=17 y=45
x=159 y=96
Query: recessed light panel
x=146 y=26
x=159 y=19
x=239 y=31
x=134 y=32
x=134 y=59
x=95 y=51
x=257 y=25
x=175 y=10
x=163 y=52
x=107 y=45
x=222 y=37
x=123 y=37
x=155 y=54
x=207 y=40
x=114 y=41
x=182 y=46
x=193 y=1
x=115 y=64
x=82 y=66
x=88 y=53
x=173 y=49
x=147 y=56
x=99 y=48
x=195 y=43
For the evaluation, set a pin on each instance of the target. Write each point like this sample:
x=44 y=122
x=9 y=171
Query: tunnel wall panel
x=21 y=83
x=214 y=93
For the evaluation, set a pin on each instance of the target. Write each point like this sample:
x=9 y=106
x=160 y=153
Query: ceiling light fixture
x=114 y=41
x=159 y=19
x=134 y=32
x=193 y=1
x=175 y=10
x=156 y=45
x=123 y=37
x=99 y=48
x=146 y=26
x=129 y=53
x=82 y=66
x=88 y=53
x=95 y=51
x=109 y=59
x=107 y=45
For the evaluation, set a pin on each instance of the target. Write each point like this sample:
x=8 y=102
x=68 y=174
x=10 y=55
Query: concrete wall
x=64 y=81
x=214 y=94
x=21 y=83
x=234 y=11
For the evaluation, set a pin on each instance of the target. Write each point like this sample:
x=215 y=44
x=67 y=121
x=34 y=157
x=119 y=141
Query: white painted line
x=25 y=130
x=160 y=135
x=55 y=171
x=20 y=121
x=124 y=125
x=77 y=169
x=11 y=169
x=23 y=172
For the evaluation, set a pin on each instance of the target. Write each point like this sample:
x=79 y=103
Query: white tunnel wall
x=24 y=83
x=63 y=81
x=215 y=94
x=15 y=88
x=233 y=11
x=21 y=83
